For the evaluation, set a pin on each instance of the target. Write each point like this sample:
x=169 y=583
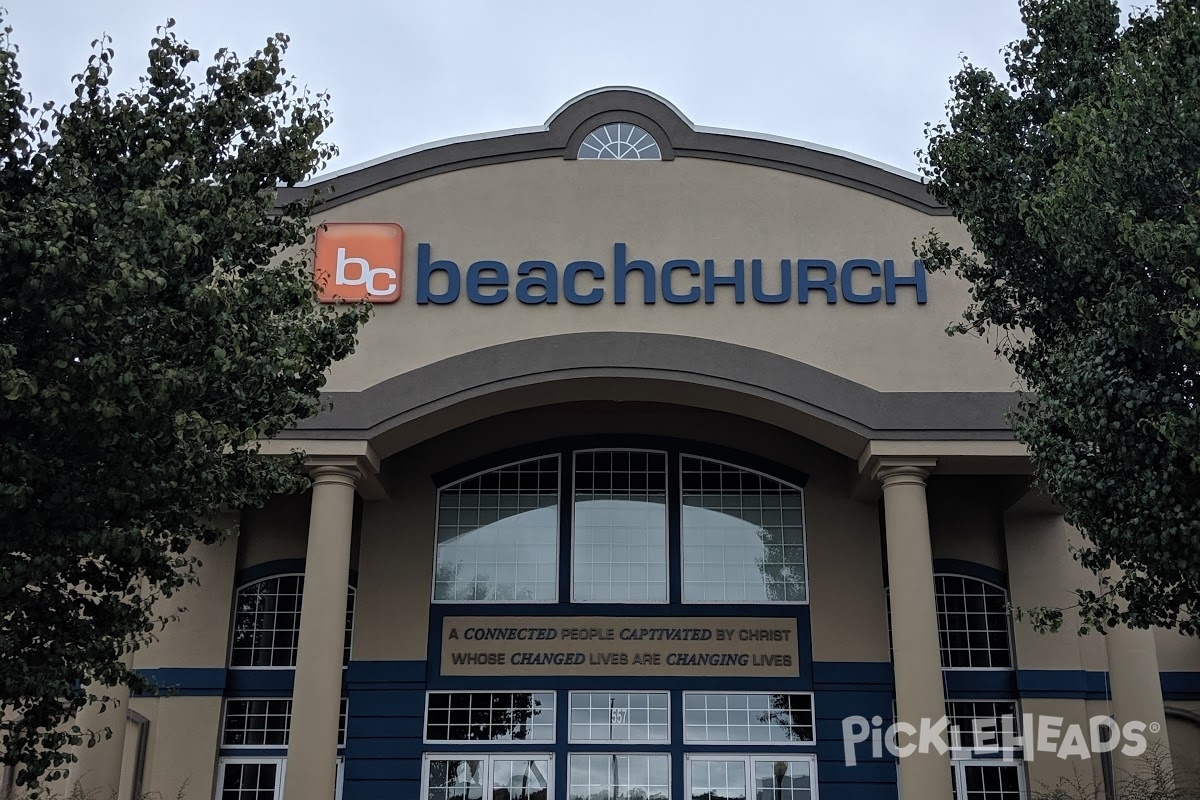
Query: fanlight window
x=620 y=141
x=266 y=623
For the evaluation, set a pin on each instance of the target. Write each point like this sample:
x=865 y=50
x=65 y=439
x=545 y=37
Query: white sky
x=857 y=75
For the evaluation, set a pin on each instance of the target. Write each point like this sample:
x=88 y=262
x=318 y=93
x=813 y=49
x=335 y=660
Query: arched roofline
x=851 y=413
x=676 y=135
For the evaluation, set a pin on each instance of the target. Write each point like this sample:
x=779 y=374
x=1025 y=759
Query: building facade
x=655 y=475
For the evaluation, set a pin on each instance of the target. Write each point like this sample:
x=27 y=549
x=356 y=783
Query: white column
x=316 y=699
x=915 y=652
x=1136 y=693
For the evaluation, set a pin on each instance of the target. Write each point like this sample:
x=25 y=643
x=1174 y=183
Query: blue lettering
x=848 y=292
x=693 y=294
x=425 y=271
x=712 y=280
x=570 y=274
x=785 y=282
x=891 y=281
x=548 y=283
x=621 y=270
x=487 y=273
x=804 y=267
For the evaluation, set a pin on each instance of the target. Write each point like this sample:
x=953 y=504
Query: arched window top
x=620 y=141
x=973 y=623
x=497 y=535
x=266 y=622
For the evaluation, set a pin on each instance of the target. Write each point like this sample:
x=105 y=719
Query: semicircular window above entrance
x=621 y=525
x=620 y=141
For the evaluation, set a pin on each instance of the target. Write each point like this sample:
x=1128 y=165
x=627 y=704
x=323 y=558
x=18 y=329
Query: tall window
x=743 y=536
x=620 y=542
x=497 y=535
x=266 y=623
x=973 y=624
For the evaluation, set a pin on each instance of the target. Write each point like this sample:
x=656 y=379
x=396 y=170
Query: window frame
x=557 y=455
x=716 y=743
x=492 y=743
x=351 y=589
x=995 y=753
x=279 y=761
x=748 y=758
x=604 y=125
x=571 y=740
x=682 y=551
x=1012 y=658
x=959 y=769
x=667 y=754
x=343 y=723
x=666 y=541
x=487 y=757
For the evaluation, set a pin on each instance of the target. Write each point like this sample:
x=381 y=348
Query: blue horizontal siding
x=384 y=729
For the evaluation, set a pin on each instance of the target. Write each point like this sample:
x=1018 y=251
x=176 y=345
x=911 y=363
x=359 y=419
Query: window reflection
x=743 y=536
x=612 y=776
x=498 y=535
x=620 y=542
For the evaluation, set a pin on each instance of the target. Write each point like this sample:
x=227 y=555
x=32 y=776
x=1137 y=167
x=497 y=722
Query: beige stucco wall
x=181 y=752
x=277 y=531
x=687 y=208
x=964 y=519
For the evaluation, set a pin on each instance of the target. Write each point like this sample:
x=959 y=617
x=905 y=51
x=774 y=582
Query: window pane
x=714 y=779
x=989 y=782
x=266 y=623
x=490 y=717
x=619 y=777
x=520 y=779
x=265 y=723
x=248 y=781
x=749 y=717
x=619 y=717
x=972 y=623
x=743 y=536
x=620 y=544
x=498 y=536
x=980 y=724
x=456 y=779
x=783 y=779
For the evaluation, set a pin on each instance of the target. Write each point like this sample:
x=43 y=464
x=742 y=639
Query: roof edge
x=559 y=137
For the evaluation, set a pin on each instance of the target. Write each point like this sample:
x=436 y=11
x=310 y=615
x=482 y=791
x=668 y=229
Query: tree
x=1077 y=179
x=157 y=320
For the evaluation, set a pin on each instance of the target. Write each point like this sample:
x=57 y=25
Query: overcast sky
x=858 y=75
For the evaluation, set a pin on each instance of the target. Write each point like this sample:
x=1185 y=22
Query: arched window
x=266 y=622
x=743 y=536
x=973 y=625
x=620 y=141
x=497 y=535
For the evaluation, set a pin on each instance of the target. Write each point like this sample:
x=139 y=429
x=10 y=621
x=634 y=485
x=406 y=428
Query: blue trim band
x=1180 y=685
x=186 y=681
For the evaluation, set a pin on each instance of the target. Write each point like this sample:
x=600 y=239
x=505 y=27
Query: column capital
x=344 y=474
x=900 y=471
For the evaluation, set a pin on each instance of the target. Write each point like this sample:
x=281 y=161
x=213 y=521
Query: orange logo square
x=359 y=261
